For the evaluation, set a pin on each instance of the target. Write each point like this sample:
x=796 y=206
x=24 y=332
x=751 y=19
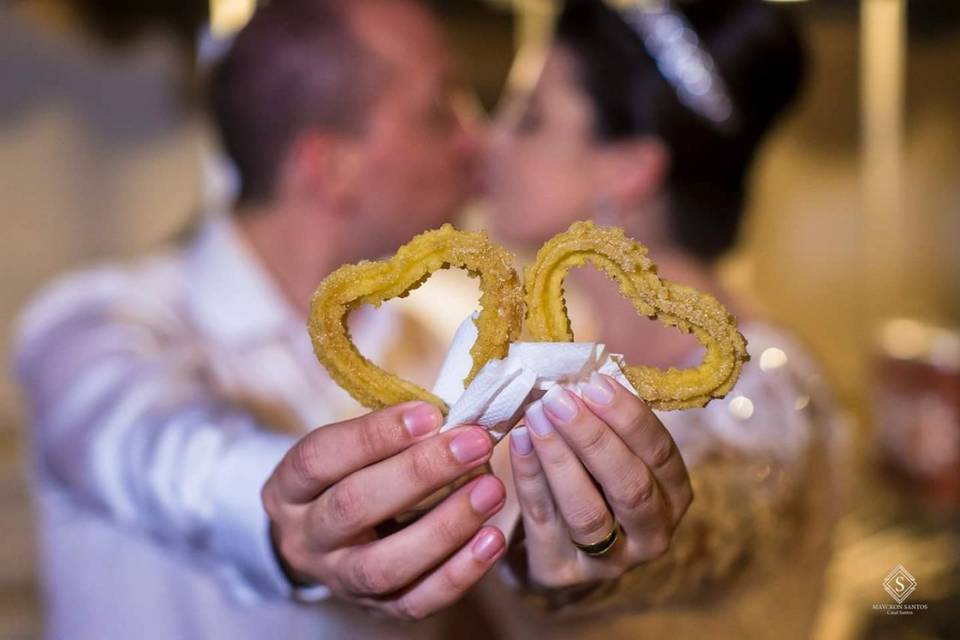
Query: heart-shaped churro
x=498 y=323
x=625 y=261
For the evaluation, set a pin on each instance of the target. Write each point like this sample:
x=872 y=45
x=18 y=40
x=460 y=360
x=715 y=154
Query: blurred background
x=851 y=241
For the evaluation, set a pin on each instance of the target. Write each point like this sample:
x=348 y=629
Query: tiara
x=683 y=61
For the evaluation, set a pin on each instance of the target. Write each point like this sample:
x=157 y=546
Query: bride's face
x=543 y=163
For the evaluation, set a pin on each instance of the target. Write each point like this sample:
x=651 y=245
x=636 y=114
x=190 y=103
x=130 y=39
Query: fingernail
x=487 y=545
x=598 y=390
x=520 y=440
x=421 y=419
x=471 y=445
x=560 y=403
x=485 y=495
x=537 y=420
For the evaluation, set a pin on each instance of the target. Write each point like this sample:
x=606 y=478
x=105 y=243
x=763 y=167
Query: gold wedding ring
x=597 y=549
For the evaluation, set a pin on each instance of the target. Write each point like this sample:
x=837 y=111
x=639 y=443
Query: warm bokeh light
x=772 y=358
x=741 y=408
x=229 y=16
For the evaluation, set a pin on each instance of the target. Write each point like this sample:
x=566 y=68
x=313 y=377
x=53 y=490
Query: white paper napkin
x=500 y=392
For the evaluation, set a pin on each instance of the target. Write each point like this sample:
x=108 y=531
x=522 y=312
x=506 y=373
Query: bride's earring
x=605 y=212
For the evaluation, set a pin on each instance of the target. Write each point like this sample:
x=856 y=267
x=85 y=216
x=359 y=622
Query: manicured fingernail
x=487 y=545
x=537 y=420
x=421 y=419
x=520 y=440
x=471 y=445
x=560 y=403
x=485 y=495
x=598 y=390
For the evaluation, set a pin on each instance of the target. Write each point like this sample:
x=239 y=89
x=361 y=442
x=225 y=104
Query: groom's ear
x=322 y=169
x=635 y=171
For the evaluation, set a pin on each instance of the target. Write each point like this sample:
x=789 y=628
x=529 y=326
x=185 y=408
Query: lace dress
x=748 y=559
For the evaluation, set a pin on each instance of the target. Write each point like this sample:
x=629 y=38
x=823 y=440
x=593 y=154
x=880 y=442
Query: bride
x=650 y=118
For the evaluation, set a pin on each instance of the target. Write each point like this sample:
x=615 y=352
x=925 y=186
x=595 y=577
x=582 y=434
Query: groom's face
x=419 y=151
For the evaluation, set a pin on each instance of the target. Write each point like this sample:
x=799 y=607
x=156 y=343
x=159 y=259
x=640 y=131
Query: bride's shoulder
x=780 y=402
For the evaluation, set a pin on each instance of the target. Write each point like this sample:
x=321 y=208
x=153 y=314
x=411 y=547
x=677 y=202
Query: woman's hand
x=583 y=466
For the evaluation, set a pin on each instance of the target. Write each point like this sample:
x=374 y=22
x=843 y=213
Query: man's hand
x=335 y=485
x=583 y=465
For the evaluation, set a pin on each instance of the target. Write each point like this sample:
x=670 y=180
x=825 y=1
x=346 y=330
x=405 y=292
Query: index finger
x=642 y=431
x=324 y=456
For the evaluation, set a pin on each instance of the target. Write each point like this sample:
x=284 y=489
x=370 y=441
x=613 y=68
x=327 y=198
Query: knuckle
x=528 y=472
x=370 y=578
x=422 y=467
x=345 y=505
x=452 y=582
x=588 y=521
x=305 y=459
x=633 y=494
x=288 y=550
x=683 y=503
x=636 y=425
x=594 y=441
x=661 y=452
x=446 y=533
x=658 y=545
x=271 y=503
x=293 y=554
x=371 y=441
x=562 y=577
x=541 y=511
x=407 y=609
x=557 y=457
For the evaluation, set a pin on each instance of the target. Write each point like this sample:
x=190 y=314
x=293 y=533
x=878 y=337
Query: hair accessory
x=682 y=60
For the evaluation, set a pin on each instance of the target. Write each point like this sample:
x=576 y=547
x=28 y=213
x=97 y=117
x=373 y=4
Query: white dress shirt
x=162 y=395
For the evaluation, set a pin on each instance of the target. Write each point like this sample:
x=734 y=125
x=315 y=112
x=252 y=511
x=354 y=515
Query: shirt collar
x=232 y=296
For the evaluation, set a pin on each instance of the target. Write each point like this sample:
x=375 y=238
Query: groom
x=183 y=489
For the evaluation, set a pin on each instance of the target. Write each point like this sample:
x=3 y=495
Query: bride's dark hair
x=761 y=60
